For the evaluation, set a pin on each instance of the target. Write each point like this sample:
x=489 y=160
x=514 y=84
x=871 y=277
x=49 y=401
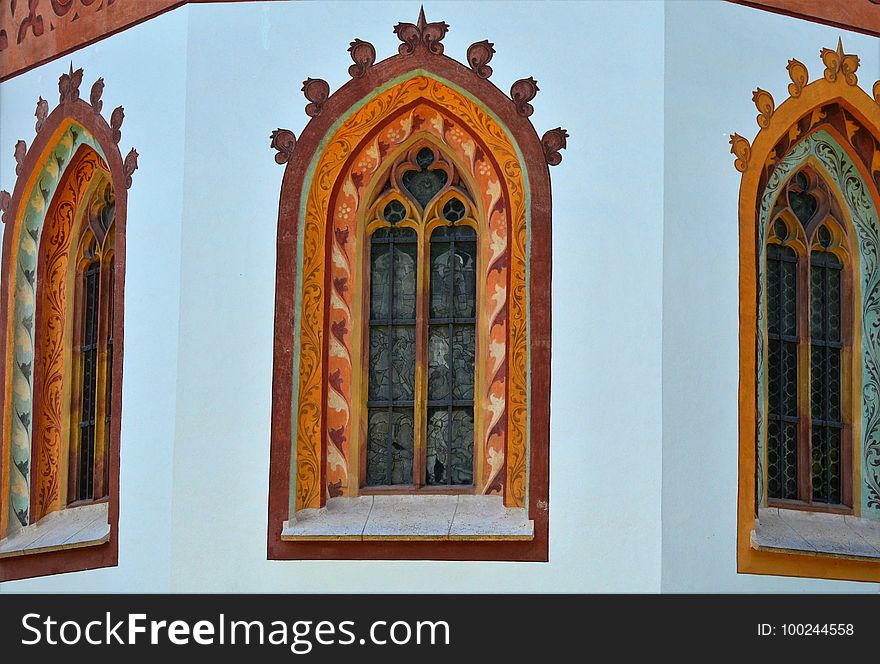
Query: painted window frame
x=420 y=61
x=830 y=110
x=73 y=128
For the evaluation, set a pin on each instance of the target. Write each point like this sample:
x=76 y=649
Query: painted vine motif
x=847 y=178
x=506 y=469
x=53 y=276
x=21 y=336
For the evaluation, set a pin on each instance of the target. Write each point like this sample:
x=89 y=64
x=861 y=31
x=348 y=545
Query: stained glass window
x=89 y=380
x=392 y=355
x=422 y=328
x=807 y=428
x=451 y=349
x=782 y=373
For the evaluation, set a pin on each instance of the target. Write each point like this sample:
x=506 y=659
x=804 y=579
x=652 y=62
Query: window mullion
x=420 y=415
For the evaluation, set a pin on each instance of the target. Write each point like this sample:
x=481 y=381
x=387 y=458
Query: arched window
x=809 y=476
x=422 y=336
x=411 y=378
x=809 y=334
x=63 y=261
x=91 y=395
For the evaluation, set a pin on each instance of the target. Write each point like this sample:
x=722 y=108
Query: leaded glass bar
x=89 y=382
x=782 y=373
x=451 y=351
x=392 y=356
x=825 y=377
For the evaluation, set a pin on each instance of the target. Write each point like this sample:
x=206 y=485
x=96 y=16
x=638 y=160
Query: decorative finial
x=20 y=153
x=740 y=148
x=838 y=63
x=41 y=113
x=68 y=85
x=552 y=142
x=799 y=75
x=421 y=33
x=95 y=95
x=5 y=199
x=765 y=105
x=129 y=166
x=284 y=141
x=478 y=56
x=364 y=56
x=522 y=92
x=317 y=91
x=116 y=118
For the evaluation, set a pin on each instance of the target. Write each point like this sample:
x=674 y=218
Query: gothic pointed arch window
x=809 y=345
x=411 y=379
x=63 y=269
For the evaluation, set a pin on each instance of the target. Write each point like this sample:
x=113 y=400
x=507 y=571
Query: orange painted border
x=776 y=123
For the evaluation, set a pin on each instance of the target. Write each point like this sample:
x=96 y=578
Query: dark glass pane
x=782 y=377
x=453 y=210
x=450 y=451
x=424 y=184
x=780 y=229
x=394 y=212
x=380 y=364
x=405 y=260
x=825 y=376
x=380 y=280
x=437 y=448
x=403 y=363
x=389 y=448
x=392 y=357
x=453 y=273
x=402 y=446
x=377 y=446
x=89 y=386
x=463 y=351
x=803 y=205
x=439 y=375
x=823 y=236
x=451 y=351
x=826 y=465
x=462 y=453
x=424 y=158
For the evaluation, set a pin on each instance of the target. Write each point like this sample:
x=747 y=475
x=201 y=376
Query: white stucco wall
x=203 y=86
x=716 y=55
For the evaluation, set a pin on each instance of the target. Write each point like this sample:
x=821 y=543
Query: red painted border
x=857 y=15
x=104 y=555
x=540 y=309
x=121 y=28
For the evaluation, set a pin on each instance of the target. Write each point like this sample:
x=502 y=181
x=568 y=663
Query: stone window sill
x=408 y=517
x=799 y=531
x=71 y=528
